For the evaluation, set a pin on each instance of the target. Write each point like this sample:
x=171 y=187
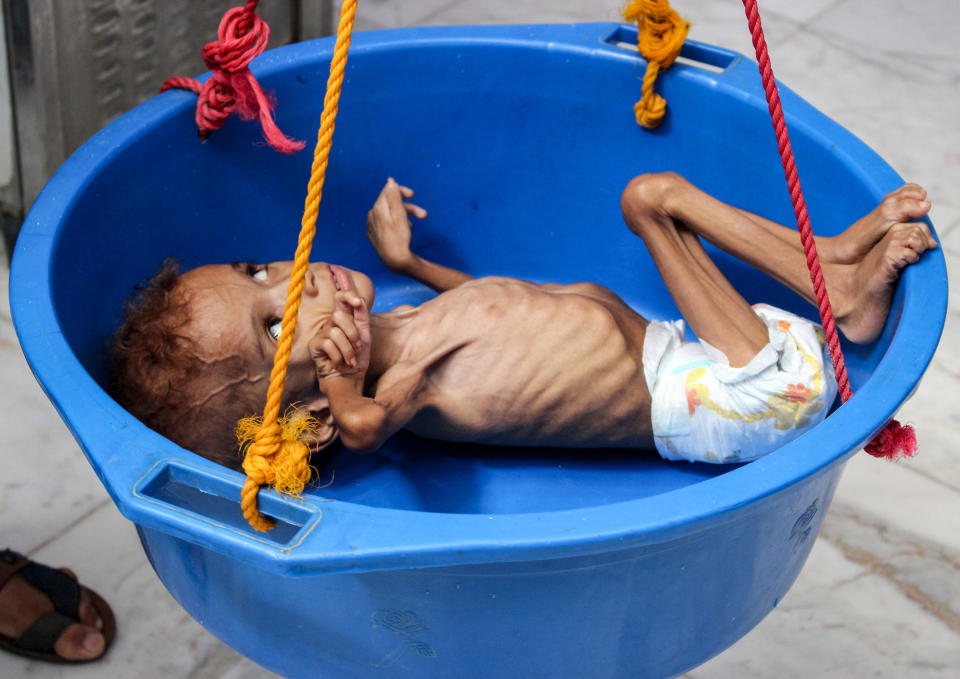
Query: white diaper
x=704 y=410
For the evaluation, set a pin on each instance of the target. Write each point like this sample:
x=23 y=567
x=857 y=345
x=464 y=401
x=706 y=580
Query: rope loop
x=661 y=35
x=241 y=36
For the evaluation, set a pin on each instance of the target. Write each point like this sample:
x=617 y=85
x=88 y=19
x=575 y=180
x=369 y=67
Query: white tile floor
x=880 y=595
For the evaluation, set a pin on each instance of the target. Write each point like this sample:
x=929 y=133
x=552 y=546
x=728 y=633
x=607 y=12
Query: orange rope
x=273 y=457
x=661 y=36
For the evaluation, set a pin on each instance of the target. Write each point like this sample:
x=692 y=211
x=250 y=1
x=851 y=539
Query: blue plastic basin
x=427 y=559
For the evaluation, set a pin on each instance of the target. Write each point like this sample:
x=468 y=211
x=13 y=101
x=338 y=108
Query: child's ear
x=327 y=430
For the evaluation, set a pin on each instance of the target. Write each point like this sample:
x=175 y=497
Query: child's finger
x=380 y=209
x=361 y=317
x=344 y=345
x=344 y=320
x=359 y=309
x=415 y=210
x=406 y=191
x=392 y=189
x=325 y=349
x=347 y=298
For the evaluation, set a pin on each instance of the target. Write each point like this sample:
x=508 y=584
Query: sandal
x=38 y=640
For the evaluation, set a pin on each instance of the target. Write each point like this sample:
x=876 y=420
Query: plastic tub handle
x=697 y=54
x=192 y=493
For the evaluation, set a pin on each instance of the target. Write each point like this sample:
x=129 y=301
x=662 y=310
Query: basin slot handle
x=695 y=54
x=212 y=496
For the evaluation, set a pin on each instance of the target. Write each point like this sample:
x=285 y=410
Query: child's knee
x=647 y=195
x=650 y=193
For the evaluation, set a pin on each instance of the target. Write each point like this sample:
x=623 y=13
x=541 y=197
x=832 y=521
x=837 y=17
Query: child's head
x=195 y=350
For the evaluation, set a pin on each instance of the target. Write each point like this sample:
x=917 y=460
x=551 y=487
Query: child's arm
x=388 y=228
x=365 y=423
x=341 y=354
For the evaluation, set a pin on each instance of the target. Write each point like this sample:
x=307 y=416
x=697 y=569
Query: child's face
x=235 y=312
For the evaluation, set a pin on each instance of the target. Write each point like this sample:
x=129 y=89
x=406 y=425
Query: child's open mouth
x=341 y=279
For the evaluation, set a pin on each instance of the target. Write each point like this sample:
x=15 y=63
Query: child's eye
x=274 y=327
x=257 y=271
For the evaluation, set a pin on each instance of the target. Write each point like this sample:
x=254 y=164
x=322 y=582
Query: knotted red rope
x=894 y=441
x=242 y=35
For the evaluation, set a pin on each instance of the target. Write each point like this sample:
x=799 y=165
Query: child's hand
x=388 y=226
x=342 y=347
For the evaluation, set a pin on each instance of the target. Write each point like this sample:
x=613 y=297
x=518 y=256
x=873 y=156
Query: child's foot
x=902 y=205
x=863 y=269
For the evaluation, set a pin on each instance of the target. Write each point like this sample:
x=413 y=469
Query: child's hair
x=157 y=373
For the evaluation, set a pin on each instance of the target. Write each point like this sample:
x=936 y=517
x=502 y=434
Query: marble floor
x=880 y=595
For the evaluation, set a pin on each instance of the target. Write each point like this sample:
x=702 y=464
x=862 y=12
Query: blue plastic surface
x=427 y=559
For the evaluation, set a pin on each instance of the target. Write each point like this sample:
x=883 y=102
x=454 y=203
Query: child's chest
x=509 y=365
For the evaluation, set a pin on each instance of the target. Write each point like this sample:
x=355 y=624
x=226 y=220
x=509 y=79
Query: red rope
x=895 y=441
x=242 y=35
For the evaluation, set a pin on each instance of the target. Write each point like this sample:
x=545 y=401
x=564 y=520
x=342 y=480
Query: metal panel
x=75 y=65
x=9 y=167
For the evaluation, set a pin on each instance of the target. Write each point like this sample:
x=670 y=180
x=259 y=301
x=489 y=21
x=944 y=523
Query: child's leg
x=902 y=205
x=761 y=243
x=861 y=266
x=715 y=311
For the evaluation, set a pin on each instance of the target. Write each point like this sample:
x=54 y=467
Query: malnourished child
x=507 y=362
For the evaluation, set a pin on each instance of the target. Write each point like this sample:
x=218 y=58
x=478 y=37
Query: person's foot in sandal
x=46 y=615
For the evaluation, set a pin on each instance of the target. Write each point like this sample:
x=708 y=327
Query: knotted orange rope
x=288 y=469
x=277 y=455
x=661 y=36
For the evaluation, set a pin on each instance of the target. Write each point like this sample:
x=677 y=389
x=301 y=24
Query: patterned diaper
x=704 y=410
